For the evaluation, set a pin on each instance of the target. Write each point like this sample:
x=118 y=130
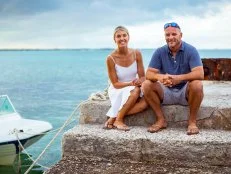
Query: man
x=174 y=77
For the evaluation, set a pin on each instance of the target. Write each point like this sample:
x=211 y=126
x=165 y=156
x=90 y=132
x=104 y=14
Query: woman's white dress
x=119 y=97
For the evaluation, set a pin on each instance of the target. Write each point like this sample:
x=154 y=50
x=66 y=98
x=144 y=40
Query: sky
x=48 y=24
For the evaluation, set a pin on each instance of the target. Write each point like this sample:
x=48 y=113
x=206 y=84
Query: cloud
x=211 y=31
x=17 y=8
x=90 y=23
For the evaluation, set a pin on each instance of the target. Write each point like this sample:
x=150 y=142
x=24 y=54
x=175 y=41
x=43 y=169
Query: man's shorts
x=174 y=96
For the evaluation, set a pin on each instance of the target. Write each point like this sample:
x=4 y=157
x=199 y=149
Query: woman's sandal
x=109 y=124
x=122 y=127
x=119 y=125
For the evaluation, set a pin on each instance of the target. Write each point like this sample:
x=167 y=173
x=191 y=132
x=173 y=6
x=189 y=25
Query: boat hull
x=9 y=151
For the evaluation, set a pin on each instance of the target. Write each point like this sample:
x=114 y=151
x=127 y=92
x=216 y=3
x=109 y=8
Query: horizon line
x=41 y=49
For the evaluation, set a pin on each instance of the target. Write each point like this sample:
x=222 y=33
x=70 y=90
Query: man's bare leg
x=195 y=97
x=153 y=94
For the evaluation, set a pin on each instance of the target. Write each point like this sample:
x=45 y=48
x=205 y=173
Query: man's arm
x=154 y=75
x=196 y=73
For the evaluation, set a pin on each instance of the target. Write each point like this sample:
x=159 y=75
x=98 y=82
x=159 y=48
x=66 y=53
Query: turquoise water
x=48 y=84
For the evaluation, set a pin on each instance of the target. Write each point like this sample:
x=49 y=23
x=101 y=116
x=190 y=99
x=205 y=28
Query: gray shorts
x=174 y=96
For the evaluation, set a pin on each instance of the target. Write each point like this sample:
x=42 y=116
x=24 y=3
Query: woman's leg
x=119 y=122
x=138 y=107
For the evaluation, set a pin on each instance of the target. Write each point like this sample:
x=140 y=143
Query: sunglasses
x=172 y=24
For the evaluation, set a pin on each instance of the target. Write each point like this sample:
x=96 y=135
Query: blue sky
x=90 y=23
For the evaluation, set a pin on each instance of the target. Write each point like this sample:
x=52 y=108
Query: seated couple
x=173 y=77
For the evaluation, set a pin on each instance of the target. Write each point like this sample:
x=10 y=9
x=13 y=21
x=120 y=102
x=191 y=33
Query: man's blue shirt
x=186 y=59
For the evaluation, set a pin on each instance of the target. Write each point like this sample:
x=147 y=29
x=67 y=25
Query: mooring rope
x=99 y=96
x=25 y=151
x=48 y=145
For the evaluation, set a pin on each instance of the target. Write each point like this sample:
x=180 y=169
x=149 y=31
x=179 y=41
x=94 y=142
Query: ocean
x=48 y=85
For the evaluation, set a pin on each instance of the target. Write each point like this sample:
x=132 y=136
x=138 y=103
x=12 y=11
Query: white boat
x=14 y=128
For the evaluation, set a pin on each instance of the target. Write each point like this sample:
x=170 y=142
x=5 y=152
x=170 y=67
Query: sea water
x=49 y=84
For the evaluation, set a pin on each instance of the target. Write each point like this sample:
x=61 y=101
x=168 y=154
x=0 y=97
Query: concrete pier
x=87 y=148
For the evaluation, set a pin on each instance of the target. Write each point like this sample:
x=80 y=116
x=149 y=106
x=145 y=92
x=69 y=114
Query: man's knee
x=147 y=86
x=196 y=86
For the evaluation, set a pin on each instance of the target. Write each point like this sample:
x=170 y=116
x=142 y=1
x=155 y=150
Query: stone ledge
x=210 y=147
x=215 y=111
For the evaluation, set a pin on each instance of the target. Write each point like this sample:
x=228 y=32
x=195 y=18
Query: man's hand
x=166 y=80
x=170 y=80
x=175 y=79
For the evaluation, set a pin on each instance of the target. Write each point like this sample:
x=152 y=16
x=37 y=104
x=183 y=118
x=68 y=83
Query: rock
x=217 y=69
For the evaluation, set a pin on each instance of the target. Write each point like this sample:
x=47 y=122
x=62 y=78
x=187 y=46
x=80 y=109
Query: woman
x=126 y=73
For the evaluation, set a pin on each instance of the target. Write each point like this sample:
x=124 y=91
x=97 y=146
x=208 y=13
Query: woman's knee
x=135 y=92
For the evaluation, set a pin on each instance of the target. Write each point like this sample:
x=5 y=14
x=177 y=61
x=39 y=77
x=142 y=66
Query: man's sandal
x=192 y=130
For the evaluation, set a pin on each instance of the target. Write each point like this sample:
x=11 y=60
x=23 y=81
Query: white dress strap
x=112 y=58
x=135 y=55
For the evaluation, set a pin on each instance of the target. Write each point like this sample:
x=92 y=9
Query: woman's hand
x=138 y=81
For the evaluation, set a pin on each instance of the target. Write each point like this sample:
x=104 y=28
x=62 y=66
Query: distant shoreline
x=53 y=49
x=73 y=49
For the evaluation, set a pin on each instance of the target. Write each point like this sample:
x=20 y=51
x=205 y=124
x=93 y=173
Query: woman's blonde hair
x=120 y=28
